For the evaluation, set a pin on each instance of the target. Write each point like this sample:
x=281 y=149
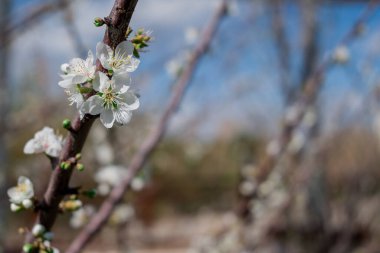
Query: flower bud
x=65 y=165
x=15 y=208
x=80 y=167
x=66 y=124
x=27 y=203
x=78 y=156
x=90 y=193
x=38 y=230
x=28 y=248
x=98 y=22
x=65 y=68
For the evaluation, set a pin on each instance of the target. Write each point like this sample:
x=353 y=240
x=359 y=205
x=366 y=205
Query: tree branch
x=306 y=99
x=120 y=15
x=139 y=159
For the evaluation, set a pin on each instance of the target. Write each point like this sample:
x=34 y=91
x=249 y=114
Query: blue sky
x=242 y=62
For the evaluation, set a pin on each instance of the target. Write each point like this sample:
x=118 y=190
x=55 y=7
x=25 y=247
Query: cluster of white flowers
x=44 y=141
x=21 y=196
x=113 y=99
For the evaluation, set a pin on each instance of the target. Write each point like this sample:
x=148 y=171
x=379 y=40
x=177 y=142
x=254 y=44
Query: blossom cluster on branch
x=99 y=87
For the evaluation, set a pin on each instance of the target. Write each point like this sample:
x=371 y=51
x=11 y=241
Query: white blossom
x=175 y=65
x=114 y=101
x=38 y=230
x=15 y=208
x=111 y=175
x=80 y=217
x=191 y=35
x=27 y=203
x=119 y=61
x=75 y=96
x=122 y=214
x=20 y=196
x=77 y=71
x=44 y=141
x=341 y=55
x=246 y=188
x=137 y=184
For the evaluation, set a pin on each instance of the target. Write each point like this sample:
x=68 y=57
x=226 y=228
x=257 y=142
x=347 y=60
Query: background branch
x=302 y=103
x=142 y=155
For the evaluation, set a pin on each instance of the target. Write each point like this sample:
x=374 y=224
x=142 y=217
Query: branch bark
x=142 y=155
x=119 y=17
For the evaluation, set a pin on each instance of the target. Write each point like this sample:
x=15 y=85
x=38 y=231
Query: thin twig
x=142 y=155
x=120 y=17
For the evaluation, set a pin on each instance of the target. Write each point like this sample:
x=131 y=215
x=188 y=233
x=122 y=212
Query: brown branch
x=306 y=99
x=120 y=17
x=139 y=159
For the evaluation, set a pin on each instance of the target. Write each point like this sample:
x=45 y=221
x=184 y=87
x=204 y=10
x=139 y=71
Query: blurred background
x=202 y=190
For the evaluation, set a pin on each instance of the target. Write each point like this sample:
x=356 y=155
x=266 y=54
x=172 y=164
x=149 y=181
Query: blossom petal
x=31 y=147
x=133 y=64
x=131 y=101
x=26 y=181
x=90 y=59
x=107 y=118
x=15 y=196
x=78 y=79
x=124 y=48
x=123 y=115
x=103 y=53
x=67 y=82
x=104 y=81
x=93 y=105
x=121 y=80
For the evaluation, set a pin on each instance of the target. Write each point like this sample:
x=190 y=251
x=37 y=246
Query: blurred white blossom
x=341 y=55
x=110 y=176
x=80 y=217
x=44 y=141
x=122 y=214
x=191 y=35
x=137 y=184
x=21 y=195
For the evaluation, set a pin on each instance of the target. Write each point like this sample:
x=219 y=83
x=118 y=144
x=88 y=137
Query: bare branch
x=139 y=159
